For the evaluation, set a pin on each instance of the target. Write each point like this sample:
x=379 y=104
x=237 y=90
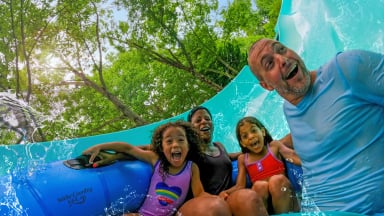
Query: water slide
x=317 y=30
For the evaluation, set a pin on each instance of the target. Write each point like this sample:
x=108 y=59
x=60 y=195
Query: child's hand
x=105 y=158
x=93 y=151
x=223 y=195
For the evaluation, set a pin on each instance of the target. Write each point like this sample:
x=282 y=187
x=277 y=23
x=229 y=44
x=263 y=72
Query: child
x=262 y=160
x=174 y=146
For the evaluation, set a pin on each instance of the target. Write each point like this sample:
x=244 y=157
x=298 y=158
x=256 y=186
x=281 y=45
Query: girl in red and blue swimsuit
x=261 y=160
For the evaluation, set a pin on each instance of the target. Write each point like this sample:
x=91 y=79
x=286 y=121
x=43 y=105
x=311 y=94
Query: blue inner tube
x=55 y=189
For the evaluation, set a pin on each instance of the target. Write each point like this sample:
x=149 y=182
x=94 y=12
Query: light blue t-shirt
x=338 y=132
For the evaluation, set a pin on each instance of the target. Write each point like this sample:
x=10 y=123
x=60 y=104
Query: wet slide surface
x=317 y=30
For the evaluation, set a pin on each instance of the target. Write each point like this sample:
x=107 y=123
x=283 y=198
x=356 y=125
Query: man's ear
x=266 y=86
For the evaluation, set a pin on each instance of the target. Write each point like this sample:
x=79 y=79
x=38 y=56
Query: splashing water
x=19 y=122
x=118 y=207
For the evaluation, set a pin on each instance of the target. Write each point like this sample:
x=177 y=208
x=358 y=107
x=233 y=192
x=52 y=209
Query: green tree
x=92 y=74
x=269 y=11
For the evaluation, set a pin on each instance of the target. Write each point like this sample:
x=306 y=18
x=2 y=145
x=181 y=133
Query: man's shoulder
x=355 y=55
x=344 y=62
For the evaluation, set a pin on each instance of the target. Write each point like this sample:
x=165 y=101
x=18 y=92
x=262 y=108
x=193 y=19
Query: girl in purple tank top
x=173 y=148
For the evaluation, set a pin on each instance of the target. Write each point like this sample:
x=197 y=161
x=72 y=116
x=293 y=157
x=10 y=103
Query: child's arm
x=107 y=157
x=122 y=147
x=196 y=185
x=287 y=141
x=288 y=154
x=241 y=178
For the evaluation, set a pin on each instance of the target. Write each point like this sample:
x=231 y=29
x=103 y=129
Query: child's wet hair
x=252 y=120
x=193 y=138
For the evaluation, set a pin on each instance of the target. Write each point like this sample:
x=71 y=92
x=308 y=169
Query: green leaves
x=100 y=66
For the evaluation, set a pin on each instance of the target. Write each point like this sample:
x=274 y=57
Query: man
x=336 y=118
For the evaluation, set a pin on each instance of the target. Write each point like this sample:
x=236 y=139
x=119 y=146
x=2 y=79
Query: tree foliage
x=93 y=67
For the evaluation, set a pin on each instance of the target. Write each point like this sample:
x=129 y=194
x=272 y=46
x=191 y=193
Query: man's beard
x=294 y=90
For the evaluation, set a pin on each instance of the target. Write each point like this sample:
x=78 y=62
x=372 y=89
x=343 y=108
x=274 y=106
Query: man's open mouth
x=292 y=72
